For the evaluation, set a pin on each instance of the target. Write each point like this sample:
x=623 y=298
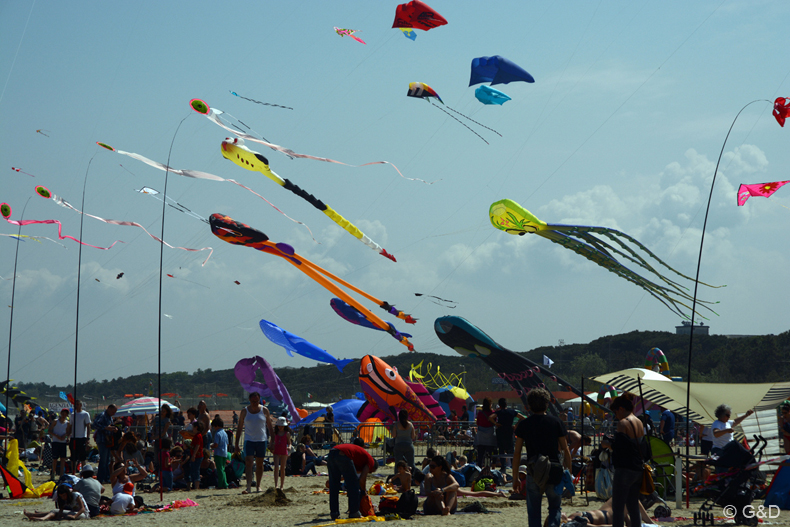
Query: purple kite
x=758 y=189
x=353 y=315
x=271 y=387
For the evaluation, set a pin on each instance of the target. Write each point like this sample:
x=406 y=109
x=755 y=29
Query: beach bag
x=648 y=487
x=388 y=505
x=407 y=504
x=484 y=484
x=544 y=471
x=366 y=506
x=603 y=484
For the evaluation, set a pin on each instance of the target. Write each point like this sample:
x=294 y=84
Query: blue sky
x=621 y=129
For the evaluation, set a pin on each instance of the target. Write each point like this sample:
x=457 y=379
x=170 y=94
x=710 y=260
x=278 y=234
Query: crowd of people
x=201 y=454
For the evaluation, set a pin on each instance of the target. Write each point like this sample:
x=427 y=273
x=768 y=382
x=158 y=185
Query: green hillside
x=716 y=359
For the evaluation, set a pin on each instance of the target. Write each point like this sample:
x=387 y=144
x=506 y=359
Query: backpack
x=388 y=505
x=407 y=504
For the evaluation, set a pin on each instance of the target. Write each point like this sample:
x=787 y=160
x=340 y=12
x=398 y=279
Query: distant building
x=685 y=329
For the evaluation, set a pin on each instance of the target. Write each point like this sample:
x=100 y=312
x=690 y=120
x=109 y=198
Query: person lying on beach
x=603 y=516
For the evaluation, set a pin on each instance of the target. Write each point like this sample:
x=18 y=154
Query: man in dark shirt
x=667 y=426
x=542 y=435
x=503 y=421
x=352 y=463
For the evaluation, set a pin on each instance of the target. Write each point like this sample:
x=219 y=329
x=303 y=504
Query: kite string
x=459 y=121
x=479 y=124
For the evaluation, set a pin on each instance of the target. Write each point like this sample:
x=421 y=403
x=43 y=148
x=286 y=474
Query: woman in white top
x=722 y=427
x=257 y=426
x=60 y=431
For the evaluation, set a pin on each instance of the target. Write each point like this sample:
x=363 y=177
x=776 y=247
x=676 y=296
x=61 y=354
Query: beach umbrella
x=143 y=405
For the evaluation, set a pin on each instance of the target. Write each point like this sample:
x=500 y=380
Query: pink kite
x=758 y=189
x=5 y=210
x=781 y=110
x=348 y=33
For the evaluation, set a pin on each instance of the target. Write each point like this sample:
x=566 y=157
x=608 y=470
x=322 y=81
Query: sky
x=622 y=129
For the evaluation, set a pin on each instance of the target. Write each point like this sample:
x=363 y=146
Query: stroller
x=738 y=486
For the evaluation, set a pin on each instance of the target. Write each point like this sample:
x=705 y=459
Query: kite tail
x=342 y=363
x=213 y=116
x=259 y=102
x=62 y=202
x=459 y=122
x=355 y=232
x=60 y=234
x=479 y=124
x=400 y=314
x=275 y=208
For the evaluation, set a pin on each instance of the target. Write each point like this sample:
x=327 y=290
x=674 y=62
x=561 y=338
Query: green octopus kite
x=509 y=216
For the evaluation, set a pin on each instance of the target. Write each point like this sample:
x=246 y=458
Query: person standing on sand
x=257 y=426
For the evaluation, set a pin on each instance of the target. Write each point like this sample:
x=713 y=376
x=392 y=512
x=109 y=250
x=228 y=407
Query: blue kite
x=295 y=344
x=352 y=315
x=497 y=70
x=488 y=95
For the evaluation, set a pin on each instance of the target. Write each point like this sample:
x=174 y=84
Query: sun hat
x=128 y=488
x=281 y=421
x=87 y=469
x=522 y=469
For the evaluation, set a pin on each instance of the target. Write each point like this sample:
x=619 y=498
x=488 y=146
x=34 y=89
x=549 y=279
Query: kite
x=237 y=282
x=196 y=174
x=17 y=488
x=521 y=373
x=171 y=203
x=294 y=344
x=5 y=210
x=606 y=393
x=435 y=380
x=387 y=393
x=440 y=300
x=237 y=233
x=488 y=95
x=657 y=361
x=345 y=411
x=120 y=275
x=214 y=115
x=185 y=280
x=421 y=90
x=348 y=33
x=417 y=15
x=45 y=193
x=409 y=33
x=41 y=131
x=234 y=150
x=271 y=387
x=22 y=171
x=509 y=216
x=34 y=238
x=781 y=110
x=351 y=314
x=497 y=70
x=453 y=398
x=760 y=189
x=263 y=103
x=430 y=402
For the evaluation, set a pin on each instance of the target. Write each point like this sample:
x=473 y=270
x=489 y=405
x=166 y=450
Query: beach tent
x=143 y=405
x=705 y=396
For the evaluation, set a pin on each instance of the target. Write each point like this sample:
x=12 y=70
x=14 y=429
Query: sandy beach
x=230 y=508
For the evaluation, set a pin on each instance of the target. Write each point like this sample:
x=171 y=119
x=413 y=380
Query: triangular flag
x=547 y=361
x=16 y=487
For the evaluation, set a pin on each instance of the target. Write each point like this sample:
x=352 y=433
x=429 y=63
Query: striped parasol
x=143 y=405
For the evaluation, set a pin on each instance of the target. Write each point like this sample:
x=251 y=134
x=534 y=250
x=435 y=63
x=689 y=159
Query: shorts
x=255 y=449
x=706 y=446
x=58 y=450
x=78 y=450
